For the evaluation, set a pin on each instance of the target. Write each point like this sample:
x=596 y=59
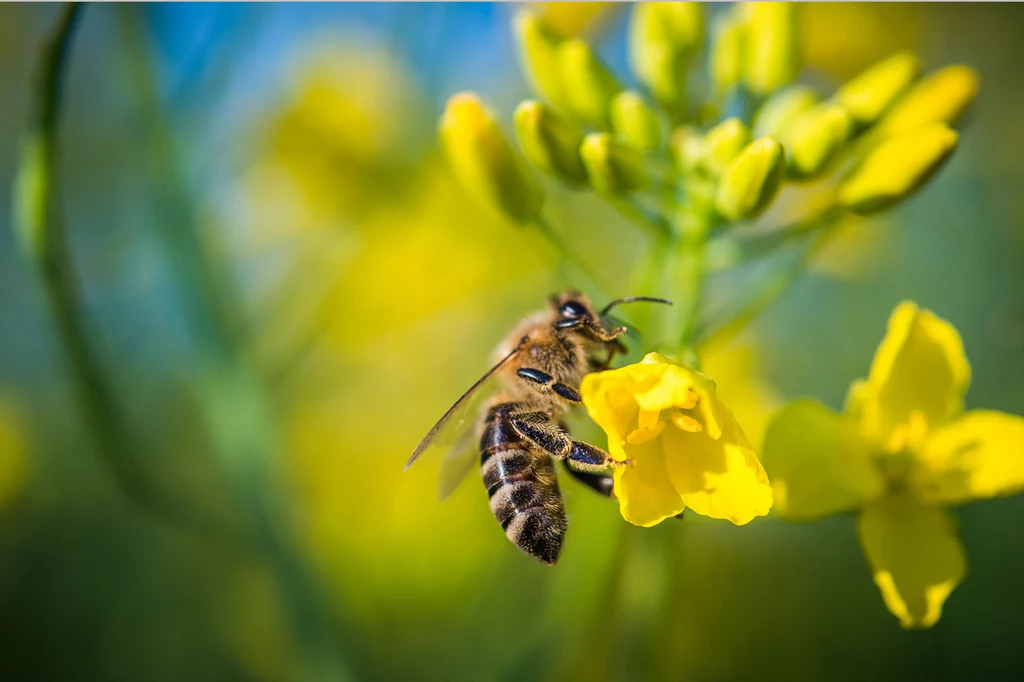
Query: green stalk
x=686 y=266
x=41 y=231
x=655 y=226
x=727 y=251
x=773 y=289
x=568 y=255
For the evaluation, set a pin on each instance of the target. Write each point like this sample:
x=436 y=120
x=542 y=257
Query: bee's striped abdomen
x=521 y=482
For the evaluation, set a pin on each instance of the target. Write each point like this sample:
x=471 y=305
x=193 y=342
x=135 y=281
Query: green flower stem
x=686 y=268
x=773 y=289
x=728 y=251
x=654 y=225
x=42 y=231
x=569 y=255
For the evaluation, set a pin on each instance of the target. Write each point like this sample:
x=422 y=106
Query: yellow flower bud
x=722 y=144
x=613 y=168
x=771 y=59
x=587 y=86
x=728 y=45
x=538 y=53
x=814 y=138
x=897 y=168
x=867 y=96
x=942 y=96
x=635 y=122
x=483 y=161
x=686 y=147
x=663 y=36
x=751 y=181
x=550 y=142
x=778 y=109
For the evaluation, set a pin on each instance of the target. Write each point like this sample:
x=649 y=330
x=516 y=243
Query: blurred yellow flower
x=685 y=448
x=939 y=97
x=483 y=161
x=613 y=168
x=576 y=18
x=903 y=451
x=772 y=49
x=340 y=133
x=751 y=181
x=868 y=95
x=897 y=168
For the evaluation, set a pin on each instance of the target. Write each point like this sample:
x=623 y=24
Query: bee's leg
x=615 y=347
x=602 y=483
x=543 y=379
x=560 y=445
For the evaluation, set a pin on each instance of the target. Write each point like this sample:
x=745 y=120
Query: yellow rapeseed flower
x=550 y=142
x=814 y=138
x=897 y=168
x=613 y=168
x=727 y=50
x=781 y=107
x=771 y=55
x=942 y=96
x=483 y=161
x=635 y=121
x=751 y=182
x=722 y=144
x=903 y=451
x=588 y=87
x=685 y=448
x=867 y=96
x=662 y=38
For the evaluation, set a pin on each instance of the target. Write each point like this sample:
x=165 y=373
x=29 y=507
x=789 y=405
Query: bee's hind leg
x=560 y=445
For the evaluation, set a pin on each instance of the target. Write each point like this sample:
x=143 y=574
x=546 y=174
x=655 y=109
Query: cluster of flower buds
x=726 y=141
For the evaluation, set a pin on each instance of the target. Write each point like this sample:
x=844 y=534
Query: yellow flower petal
x=612 y=407
x=919 y=373
x=700 y=458
x=718 y=478
x=897 y=168
x=915 y=556
x=819 y=464
x=646 y=496
x=682 y=387
x=483 y=161
x=978 y=455
x=648 y=427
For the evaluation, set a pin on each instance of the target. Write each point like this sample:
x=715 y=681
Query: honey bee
x=520 y=430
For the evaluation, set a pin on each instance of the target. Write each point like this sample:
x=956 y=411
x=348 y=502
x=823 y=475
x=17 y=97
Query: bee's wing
x=460 y=460
x=456 y=408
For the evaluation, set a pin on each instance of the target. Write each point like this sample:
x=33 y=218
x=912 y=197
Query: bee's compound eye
x=572 y=310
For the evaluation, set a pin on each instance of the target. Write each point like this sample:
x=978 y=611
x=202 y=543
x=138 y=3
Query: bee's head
x=574 y=311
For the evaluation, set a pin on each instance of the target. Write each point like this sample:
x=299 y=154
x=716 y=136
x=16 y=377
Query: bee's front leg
x=543 y=380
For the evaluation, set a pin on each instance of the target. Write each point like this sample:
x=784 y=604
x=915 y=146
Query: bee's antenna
x=633 y=299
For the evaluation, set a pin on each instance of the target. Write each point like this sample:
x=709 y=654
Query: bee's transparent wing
x=460 y=411
x=462 y=458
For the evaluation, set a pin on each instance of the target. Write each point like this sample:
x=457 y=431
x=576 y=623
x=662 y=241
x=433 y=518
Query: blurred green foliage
x=362 y=290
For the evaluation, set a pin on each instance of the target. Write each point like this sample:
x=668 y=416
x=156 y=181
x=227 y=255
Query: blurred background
x=284 y=289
